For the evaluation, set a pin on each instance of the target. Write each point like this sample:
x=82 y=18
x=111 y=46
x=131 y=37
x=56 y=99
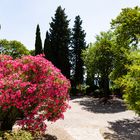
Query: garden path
x=89 y=119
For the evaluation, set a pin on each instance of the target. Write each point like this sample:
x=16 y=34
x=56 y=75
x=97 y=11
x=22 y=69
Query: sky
x=19 y=18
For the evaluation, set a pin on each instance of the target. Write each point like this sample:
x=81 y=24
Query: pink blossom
x=35 y=87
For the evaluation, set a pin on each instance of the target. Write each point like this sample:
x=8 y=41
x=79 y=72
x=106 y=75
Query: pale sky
x=19 y=18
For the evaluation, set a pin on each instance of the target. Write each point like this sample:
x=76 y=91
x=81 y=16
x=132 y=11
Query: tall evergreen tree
x=38 y=42
x=59 y=41
x=78 y=44
x=47 y=48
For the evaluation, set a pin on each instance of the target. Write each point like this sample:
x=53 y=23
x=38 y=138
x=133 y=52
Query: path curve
x=85 y=120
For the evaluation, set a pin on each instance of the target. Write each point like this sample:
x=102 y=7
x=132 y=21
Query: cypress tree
x=78 y=44
x=38 y=42
x=47 y=48
x=59 y=41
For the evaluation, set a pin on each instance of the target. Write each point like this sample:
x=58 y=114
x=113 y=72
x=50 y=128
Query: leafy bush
x=131 y=83
x=25 y=135
x=20 y=135
x=82 y=88
x=33 y=90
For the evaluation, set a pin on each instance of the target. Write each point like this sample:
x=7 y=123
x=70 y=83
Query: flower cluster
x=35 y=87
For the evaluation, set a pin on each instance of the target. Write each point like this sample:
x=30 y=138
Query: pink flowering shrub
x=33 y=89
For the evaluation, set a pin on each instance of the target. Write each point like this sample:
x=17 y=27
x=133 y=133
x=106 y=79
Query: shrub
x=20 y=135
x=130 y=83
x=81 y=88
x=32 y=90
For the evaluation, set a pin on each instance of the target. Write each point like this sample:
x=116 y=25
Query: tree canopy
x=126 y=27
x=127 y=33
x=13 y=48
x=98 y=60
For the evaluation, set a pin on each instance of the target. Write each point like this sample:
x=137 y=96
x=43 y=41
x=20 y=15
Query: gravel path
x=89 y=119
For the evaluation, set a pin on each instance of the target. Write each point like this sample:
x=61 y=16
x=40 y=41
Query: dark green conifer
x=38 y=42
x=59 y=41
x=47 y=48
x=78 y=44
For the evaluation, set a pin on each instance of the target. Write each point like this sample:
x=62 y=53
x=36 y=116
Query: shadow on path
x=94 y=105
x=124 y=130
x=46 y=137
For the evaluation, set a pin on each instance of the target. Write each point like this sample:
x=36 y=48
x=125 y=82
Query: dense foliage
x=126 y=32
x=59 y=42
x=13 y=48
x=47 y=47
x=32 y=52
x=20 y=135
x=32 y=90
x=126 y=27
x=78 y=44
x=38 y=42
x=98 y=60
x=131 y=83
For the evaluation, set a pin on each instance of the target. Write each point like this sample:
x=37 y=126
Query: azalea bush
x=32 y=90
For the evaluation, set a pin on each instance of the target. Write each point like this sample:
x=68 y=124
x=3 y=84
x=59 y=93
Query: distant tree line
x=63 y=46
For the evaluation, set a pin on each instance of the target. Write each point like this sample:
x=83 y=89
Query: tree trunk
x=104 y=86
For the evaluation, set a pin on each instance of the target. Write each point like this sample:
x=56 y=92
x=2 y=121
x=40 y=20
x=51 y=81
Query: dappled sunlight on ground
x=90 y=119
x=95 y=105
x=126 y=129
